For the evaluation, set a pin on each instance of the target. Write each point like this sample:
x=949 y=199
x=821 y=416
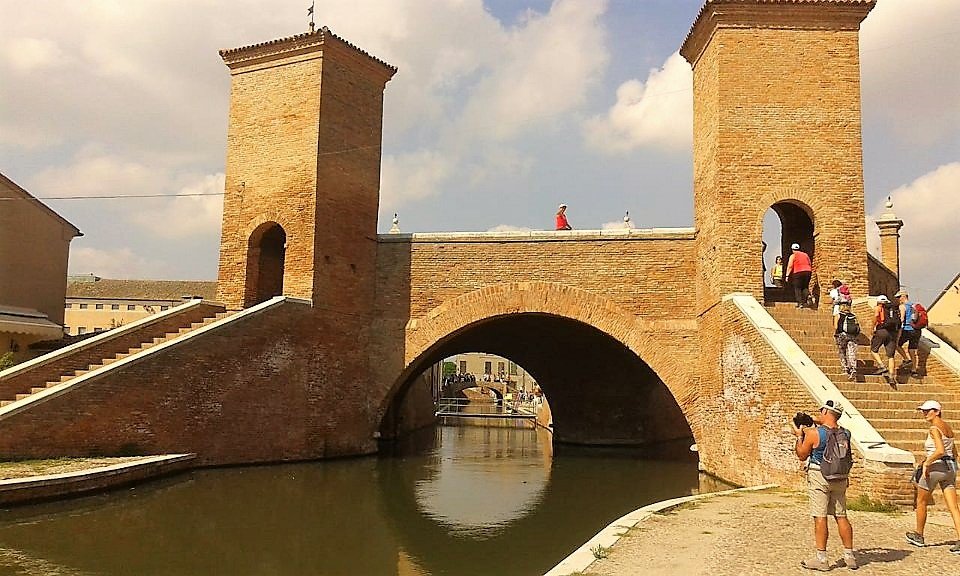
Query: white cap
x=832 y=406
x=883 y=299
x=794 y=246
x=563 y=206
x=929 y=405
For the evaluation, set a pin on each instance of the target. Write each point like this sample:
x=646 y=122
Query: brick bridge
x=635 y=336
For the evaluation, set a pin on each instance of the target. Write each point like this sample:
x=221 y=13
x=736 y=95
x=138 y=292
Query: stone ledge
x=631 y=234
x=57 y=486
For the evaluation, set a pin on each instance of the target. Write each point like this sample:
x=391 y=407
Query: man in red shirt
x=799 y=269
x=562 y=223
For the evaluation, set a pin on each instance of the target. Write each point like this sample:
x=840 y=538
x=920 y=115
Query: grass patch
x=865 y=504
x=600 y=552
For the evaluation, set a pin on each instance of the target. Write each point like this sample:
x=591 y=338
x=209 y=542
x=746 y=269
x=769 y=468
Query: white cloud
x=184 y=216
x=909 y=55
x=29 y=54
x=928 y=207
x=655 y=113
x=413 y=176
x=113 y=263
x=614 y=225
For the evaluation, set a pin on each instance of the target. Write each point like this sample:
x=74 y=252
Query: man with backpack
x=886 y=322
x=829 y=456
x=914 y=321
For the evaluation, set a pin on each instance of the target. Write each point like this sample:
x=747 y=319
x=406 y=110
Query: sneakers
x=815 y=564
x=955 y=549
x=850 y=561
x=906 y=364
x=917 y=540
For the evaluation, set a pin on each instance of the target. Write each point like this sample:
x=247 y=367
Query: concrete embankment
x=14 y=491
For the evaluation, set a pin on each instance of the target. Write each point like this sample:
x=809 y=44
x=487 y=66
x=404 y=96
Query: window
x=513 y=368
x=114 y=306
x=83 y=307
x=98 y=329
x=487 y=367
x=131 y=306
x=501 y=368
x=99 y=306
x=82 y=330
x=164 y=307
x=69 y=305
x=463 y=366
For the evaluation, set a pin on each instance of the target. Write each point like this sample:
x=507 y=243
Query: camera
x=802 y=419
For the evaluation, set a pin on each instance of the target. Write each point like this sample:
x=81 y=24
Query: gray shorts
x=827 y=497
x=940 y=475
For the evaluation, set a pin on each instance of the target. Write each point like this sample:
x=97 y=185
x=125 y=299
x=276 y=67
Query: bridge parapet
x=544 y=235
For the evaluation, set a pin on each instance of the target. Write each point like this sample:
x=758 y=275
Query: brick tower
x=777 y=125
x=302 y=172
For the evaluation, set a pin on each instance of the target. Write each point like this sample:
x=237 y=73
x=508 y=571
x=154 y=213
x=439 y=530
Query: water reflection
x=458 y=501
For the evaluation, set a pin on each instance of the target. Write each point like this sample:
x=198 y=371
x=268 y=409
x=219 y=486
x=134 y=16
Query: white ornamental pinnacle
x=395 y=229
x=626 y=220
x=888 y=215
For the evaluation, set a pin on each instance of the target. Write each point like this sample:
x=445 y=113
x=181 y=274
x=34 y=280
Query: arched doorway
x=785 y=223
x=266 y=253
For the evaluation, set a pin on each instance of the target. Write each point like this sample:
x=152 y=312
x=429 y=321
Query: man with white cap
x=886 y=329
x=939 y=468
x=827 y=497
x=562 y=223
x=799 y=269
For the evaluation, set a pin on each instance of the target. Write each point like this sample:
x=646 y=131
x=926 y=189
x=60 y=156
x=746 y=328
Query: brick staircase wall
x=266 y=386
x=21 y=382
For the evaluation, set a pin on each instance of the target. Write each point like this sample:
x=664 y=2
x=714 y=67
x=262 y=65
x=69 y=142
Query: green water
x=451 y=500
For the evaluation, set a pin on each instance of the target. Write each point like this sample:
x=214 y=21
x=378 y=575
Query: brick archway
x=622 y=349
x=266 y=260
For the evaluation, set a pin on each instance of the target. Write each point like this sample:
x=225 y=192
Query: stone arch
x=660 y=346
x=797 y=221
x=266 y=259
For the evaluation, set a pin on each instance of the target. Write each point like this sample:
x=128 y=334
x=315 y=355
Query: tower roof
x=304 y=42
x=794 y=14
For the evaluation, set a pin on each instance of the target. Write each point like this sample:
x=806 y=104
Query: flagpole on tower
x=310 y=13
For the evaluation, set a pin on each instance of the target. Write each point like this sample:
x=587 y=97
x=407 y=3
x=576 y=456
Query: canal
x=446 y=501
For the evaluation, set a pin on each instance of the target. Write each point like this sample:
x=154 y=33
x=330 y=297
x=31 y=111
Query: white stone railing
x=544 y=235
x=867 y=440
x=99 y=338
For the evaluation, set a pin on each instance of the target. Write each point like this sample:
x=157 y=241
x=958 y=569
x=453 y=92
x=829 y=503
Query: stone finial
x=395 y=229
x=888 y=215
x=889 y=226
x=626 y=221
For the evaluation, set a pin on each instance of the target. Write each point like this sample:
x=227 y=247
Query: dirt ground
x=770 y=533
x=26 y=468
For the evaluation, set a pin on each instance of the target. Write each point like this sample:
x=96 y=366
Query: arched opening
x=600 y=392
x=784 y=223
x=266 y=253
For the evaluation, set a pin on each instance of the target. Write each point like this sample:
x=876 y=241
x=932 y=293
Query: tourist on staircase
x=777 y=274
x=847 y=330
x=910 y=331
x=886 y=322
x=939 y=468
x=799 y=269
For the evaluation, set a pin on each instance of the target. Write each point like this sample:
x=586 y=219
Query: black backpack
x=837 y=456
x=891 y=317
x=849 y=324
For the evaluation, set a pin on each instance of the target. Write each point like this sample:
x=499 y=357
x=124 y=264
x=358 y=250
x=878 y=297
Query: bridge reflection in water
x=448 y=500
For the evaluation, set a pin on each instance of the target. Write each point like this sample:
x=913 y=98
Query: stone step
x=6 y=403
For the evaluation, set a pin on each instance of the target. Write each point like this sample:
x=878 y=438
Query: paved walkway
x=28 y=468
x=769 y=533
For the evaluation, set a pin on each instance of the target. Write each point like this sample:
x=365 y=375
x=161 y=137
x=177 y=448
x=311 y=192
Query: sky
x=500 y=110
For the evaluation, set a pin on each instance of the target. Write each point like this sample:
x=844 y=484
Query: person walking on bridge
x=562 y=223
x=799 y=270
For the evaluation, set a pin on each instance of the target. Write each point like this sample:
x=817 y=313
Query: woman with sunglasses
x=939 y=468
